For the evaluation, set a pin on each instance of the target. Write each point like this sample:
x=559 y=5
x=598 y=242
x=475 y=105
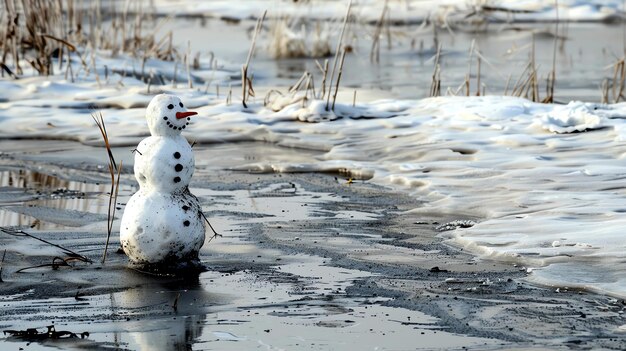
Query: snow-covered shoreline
x=544 y=180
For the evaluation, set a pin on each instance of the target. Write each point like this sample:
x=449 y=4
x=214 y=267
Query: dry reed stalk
x=506 y=86
x=268 y=96
x=2 y=265
x=343 y=56
x=375 y=50
x=307 y=85
x=95 y=69
x=604 y=89
x=551 y=79
x=620 y=95
x=468 y=77
x=310 y=87
x=60 y=58
x=618 y=82
x=296 y=86
x=534 y=81
x=435 y=84
x=518 y=82
x=115 y=184
x=175 y=74
x=457 y=91
x=187 y=55
x=478 y=60
x=245 y=81
x=150 y=78
x=325 y=75
x=388 y=26
x=615 y=74
x=6 y=69
x=337 y=49
x=69 y=71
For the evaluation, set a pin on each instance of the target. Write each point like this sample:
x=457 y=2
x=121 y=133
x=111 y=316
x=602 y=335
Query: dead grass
x=435 y=84
x=375 y=50
x=298 y=37
x=246 y=82
x=38 y=32
x=115 y=181
x=613 y=89
x=335 y=60
x=2 y=265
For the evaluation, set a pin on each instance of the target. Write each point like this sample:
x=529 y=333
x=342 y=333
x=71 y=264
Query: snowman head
x=167 y=116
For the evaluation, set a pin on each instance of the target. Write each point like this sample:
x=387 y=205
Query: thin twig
x=335 y=60
x=8 y=70
x=115 y=185
x=210 y=226
x=2 y=265
x=343 y=56
x=245 y=82
x=114 y=207
x=375 y=50
x=435 y=85
x=105 y=136
x=55 y=265
x=19 y=232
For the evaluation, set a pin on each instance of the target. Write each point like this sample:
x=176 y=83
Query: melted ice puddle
x=48 y=202
x=277 y=202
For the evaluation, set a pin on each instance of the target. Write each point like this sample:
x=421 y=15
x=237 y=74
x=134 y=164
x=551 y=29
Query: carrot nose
x=181 y=115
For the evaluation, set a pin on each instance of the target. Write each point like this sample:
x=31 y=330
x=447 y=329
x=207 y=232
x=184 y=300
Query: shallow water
x=37 y=193
x=405 y=70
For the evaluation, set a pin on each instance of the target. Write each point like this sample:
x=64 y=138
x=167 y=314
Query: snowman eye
x=181 y=104
x=170 y=106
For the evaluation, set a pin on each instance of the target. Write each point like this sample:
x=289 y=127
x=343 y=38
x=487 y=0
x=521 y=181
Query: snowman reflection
x=162 y=222
x=164 y=327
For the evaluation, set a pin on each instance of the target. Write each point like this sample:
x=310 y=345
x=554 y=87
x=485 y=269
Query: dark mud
x=306 y=261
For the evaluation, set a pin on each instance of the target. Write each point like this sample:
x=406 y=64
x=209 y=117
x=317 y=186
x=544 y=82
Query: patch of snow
x=573 y=117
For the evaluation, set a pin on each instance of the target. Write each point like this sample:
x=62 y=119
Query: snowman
x=163 y=222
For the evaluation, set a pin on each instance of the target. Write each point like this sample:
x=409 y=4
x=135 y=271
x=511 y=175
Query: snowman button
x=177 y=155
x=176 y=179
x=186 y=223
x=178 y=167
